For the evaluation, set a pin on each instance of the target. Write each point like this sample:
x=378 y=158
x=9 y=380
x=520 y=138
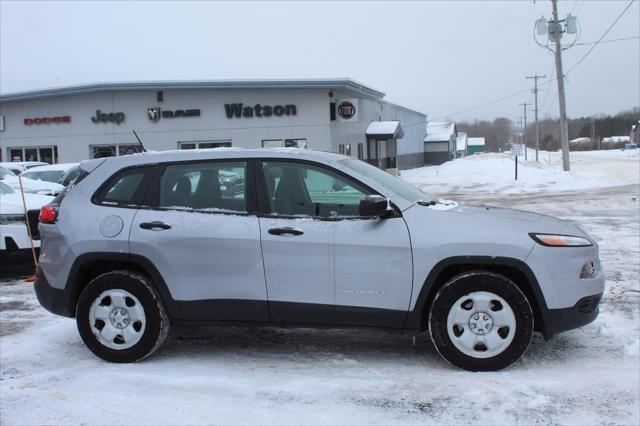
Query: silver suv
x=296 y=237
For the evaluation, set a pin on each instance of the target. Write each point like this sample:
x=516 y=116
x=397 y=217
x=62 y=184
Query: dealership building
x=71 y=124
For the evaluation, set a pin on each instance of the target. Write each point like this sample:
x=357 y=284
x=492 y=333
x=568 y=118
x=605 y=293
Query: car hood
x=507 y=218
x=12 y=203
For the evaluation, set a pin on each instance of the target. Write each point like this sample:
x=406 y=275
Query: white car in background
x=29 y=185
x=18 y=167
x=14 y=234
x=49 y=173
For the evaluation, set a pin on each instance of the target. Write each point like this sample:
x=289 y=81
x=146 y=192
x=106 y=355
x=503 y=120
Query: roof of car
x=215 y=153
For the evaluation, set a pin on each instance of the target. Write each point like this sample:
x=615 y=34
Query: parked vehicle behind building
x=145 y=241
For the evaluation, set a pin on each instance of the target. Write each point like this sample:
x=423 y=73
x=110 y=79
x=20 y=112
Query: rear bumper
x=54 y=300
x=582 y=313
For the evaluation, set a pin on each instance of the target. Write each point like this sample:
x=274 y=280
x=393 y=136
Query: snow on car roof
x=215 y=153
x=62 y=166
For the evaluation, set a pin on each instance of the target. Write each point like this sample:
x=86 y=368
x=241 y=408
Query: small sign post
x=517 y=150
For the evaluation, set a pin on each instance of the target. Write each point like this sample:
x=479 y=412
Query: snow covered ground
x=494 y=173
x=302 y=376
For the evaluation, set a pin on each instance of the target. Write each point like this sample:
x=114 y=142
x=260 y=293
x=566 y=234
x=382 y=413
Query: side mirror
x=374 y=206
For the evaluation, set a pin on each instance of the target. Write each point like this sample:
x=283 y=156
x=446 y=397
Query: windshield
x=397 y=185
x=4 y=172
x=5 y=189
x=48 y=175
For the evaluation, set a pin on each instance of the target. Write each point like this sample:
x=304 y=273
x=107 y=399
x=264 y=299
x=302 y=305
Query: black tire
x=157 y=321
x=476 y=281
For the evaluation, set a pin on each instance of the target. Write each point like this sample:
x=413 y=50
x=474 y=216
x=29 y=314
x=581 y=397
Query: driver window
x=298 y=189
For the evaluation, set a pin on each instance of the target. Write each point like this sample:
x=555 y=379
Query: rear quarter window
x=126 y=188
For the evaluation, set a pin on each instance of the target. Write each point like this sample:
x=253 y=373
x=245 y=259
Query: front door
x=202 y=236
x=323 y=262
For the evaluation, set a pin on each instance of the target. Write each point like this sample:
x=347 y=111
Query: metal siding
x=73 y=140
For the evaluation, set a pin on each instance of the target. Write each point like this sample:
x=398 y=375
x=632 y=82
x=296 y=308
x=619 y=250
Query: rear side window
x=127 y=188
x=204 y=186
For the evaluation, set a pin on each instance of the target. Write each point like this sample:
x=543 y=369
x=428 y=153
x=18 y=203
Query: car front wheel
x=480 y=321
x=120 y=317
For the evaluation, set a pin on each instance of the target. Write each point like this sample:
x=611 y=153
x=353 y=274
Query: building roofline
x=403 y=108
x=344 y=83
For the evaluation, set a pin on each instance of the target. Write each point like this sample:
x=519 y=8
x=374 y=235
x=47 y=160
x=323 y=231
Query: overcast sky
x=436 y=57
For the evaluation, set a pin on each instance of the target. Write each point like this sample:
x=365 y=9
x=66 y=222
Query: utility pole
x=556 y=33
x=524 y=129
x=535 y=94
x=593 y=132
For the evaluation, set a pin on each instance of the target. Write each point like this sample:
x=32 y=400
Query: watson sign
x=239 y=110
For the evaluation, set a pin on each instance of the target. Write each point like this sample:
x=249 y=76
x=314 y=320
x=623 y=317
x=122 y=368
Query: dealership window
x=204 y=144
x=345 y=149
x=47 y=154
x=284 y=143
x=102 y=151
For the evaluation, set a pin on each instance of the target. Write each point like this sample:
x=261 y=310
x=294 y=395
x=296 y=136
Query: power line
x=608 y=41
x=547 y=81
x=489 y=103
x=603 y=36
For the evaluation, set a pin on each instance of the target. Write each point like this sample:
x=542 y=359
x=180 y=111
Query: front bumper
x=15 y=236
x=54 y=300
x=582 y=313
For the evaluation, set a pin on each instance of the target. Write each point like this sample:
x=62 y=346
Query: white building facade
x=77 y=123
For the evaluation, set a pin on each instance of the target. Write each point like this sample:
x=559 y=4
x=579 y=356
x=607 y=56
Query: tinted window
x=127 y=188
x=215 y=187
x=303 y=189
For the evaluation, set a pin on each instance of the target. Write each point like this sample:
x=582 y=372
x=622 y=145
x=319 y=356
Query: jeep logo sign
x=111 y=117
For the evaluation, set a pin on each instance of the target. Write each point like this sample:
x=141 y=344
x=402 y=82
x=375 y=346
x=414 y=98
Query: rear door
x=201 y=231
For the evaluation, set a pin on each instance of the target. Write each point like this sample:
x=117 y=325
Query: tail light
x=48 y=214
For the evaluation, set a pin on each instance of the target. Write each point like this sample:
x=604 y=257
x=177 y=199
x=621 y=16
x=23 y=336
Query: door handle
x=155 y=225
x=286 y=231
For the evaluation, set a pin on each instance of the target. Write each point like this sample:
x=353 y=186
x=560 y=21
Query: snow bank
x=494 y=172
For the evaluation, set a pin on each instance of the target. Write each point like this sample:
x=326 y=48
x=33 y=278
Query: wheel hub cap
x=119 y=318
x=480 y=323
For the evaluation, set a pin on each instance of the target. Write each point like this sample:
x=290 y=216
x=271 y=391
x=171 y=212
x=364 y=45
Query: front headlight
x=6 y=219
x=552 y=240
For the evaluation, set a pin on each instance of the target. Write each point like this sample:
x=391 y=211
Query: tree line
x=500 y=132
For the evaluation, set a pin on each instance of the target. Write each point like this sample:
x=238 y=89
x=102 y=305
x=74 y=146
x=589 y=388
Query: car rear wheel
x=120 y=317
x=480 y=321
